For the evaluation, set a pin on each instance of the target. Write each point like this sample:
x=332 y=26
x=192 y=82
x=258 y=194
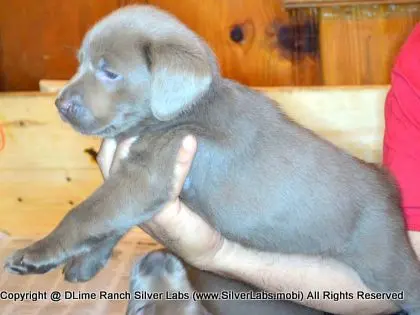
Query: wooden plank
x=51 y=86
x=37 y=138
x=268 y=55
x=54 y=86
x=34 y=201
x=352 y=119
x=39 y=39
x=358 y=44
x=260 y=58
x=303 y=35
x=257 y=59
x=43 y=168
x=293 y=4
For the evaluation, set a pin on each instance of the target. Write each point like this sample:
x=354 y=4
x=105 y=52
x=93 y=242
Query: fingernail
x=188 y=143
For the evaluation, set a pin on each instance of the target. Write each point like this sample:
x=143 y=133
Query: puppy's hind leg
x=400 y=276
x=382 y=256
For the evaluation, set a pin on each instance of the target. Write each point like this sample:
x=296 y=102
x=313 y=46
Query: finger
x=166 y=220
x=183 y=162
x=177 y=221
x=167 y=238
x=149 y=229
x=106 y=155
x=186 y=233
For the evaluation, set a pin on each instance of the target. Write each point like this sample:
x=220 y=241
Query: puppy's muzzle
x=69 y=107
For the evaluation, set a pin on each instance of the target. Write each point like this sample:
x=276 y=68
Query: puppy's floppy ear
x=180 y=73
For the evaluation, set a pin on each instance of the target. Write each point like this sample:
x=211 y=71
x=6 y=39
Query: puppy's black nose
x=61 y=102
x=57 y=102
x=66 y=104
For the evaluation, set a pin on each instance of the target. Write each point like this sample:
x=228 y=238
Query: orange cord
x=2 y=138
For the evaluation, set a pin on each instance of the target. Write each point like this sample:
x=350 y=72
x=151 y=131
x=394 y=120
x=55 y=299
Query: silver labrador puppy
x=258 y=177
x=164 y=278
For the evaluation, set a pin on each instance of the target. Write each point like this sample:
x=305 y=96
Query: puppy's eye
x=110 y=75
x=106 y=73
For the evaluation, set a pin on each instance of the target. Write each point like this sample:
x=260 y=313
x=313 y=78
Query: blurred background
x=257 y=42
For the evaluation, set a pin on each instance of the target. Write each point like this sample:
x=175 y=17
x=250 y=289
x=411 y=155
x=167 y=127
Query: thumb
x=183 y=163
x=176 y=220
x=185 y=232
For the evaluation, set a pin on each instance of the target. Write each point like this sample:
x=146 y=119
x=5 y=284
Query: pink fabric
x=402 y=128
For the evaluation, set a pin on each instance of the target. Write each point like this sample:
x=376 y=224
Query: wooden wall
x=358 y=44
x=39 y=39
x=259 y=43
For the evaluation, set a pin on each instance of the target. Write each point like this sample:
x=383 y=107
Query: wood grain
x=293 y=4
x=359 y=43
x=43 y=167
x=39 y=39
x=34 y=200
x=340 y=45
x=257 y=60
x=37 y=138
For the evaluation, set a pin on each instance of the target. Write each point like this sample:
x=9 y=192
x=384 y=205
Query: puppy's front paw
x=83 y=268
x=36 y=259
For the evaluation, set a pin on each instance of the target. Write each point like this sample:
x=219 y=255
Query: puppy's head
x=138 y=64
x=161 y=273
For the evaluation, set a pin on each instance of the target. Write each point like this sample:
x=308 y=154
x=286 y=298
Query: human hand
x=414 y=237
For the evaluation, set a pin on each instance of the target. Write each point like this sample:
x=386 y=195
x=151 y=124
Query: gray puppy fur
x=258 y=177
x=164 y=274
